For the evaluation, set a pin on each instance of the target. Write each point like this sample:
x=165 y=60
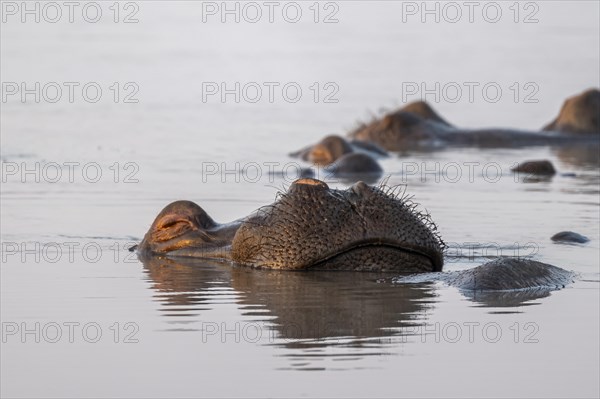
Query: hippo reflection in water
x=306 y=310
x=306 y=305
x=313 y=227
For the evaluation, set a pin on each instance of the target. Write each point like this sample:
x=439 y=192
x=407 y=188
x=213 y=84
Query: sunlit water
x=204 y=329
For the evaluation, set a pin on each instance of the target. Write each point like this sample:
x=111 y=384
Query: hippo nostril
x=310 y=182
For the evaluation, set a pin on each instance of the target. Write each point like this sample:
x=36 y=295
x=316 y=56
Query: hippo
x=418 y=126
x=313 y=227
x=569 y=237
x=340 y=158
x=333 y=147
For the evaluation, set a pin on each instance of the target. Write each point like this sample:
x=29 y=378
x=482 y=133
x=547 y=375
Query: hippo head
x=328 y=150
x=310 y=226
x=579 y=114
x=183 y=228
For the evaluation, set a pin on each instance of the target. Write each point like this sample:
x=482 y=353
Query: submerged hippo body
x=355 y=166
x=313 y=227
x=417 y=126
x=569 y=237
x=503 y=274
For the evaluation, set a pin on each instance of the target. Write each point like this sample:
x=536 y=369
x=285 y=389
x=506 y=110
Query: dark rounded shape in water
x=541 y=167
x=502 y=274
x=506 y=274
x=356 y=163
x=569 y=236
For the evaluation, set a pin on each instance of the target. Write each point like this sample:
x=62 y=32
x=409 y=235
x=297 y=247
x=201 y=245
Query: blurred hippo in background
x=418 y=126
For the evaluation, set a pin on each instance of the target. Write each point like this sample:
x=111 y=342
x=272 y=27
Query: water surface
x=175 y=328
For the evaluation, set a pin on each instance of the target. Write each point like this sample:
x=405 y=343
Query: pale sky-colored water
x=319 y=335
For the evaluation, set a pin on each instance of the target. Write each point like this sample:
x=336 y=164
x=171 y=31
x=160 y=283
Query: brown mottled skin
x=417 y=126
x=313 y=227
